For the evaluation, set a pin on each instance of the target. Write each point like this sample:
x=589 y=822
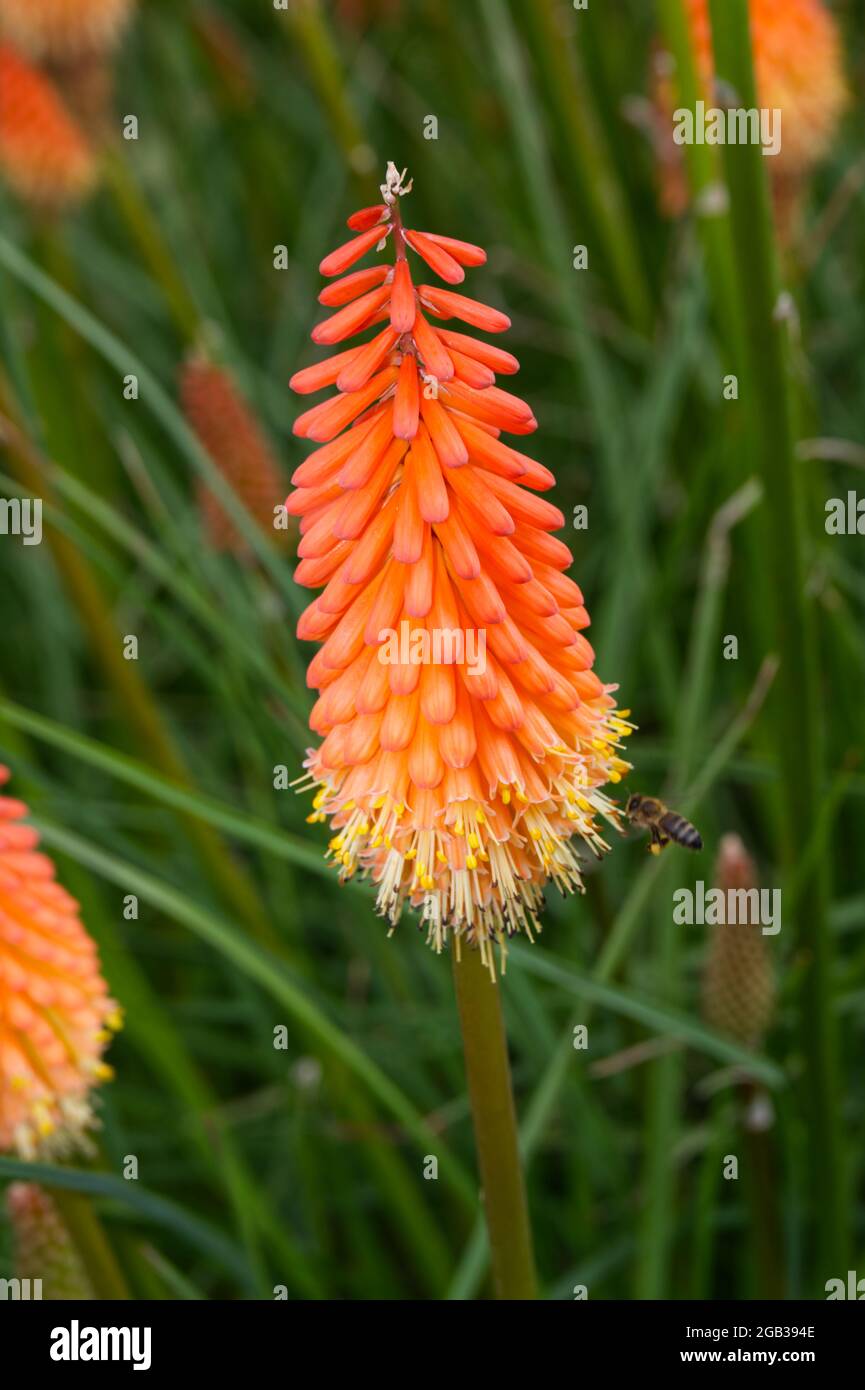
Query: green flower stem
x=147 y=236
x=90 y=1241
x=417 y=1228
x=590 y=156
x=489 y=1079
x=766 y=1226
x=705 y=177
x=703 y=1234
x=131 y=692
x=665 y=1077
x=629 y=918
x=310 y=33
x=771 y=408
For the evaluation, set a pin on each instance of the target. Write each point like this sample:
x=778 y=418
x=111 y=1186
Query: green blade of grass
x=705 y=178
x=148 y=1205
x=657 y=1017
x=665 y=1078
x=592 y=158
x=771 y=411
x=152 y=396
x=135 y=774
x=163 y=569
x=272 y=975
x=544 y=1097
x=551 y=225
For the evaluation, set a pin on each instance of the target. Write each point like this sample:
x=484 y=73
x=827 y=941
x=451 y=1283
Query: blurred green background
x=303 y=1165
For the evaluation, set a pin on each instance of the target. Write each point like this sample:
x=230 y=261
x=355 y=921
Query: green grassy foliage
x=303 y=1166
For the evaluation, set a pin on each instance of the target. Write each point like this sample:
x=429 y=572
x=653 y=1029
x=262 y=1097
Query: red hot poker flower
x=44 y=156
x=799 y=70
x=227 y=427
x=64 y=28
x=466 y=740
x=55 y=1012
x=43 y=1247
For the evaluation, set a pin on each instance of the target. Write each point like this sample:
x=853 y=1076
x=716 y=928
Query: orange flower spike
x=227 y=428
x=55 y=1012
x=44 y=155
x=462 y=251
x=403 y=305
x=466 y=740
x=64 y=29
x=323 y=374
x=799 y=71
x=367 y=217
x=448 y=305
x=345 y=256
x=494 y=357
x=431 y=347
x=359 y=314
x=343 y=291
x=436 y=258
x=406 y=408
x=43 y=1247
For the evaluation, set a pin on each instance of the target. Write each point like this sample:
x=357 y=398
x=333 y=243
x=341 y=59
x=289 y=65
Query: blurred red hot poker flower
x=738 y=982
x=55 y=1012
x=799 y=69
x=64 y=28
x=43 y=1248
x=44 y=155
x=233 y=438
x=458 y=783
x=360 y=13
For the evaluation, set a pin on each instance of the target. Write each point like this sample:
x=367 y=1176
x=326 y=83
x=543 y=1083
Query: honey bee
x=664 y=825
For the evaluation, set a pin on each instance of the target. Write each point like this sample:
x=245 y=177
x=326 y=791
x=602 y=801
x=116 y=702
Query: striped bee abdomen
x=681 y=830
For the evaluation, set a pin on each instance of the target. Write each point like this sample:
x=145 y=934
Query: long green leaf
x=197 y=1233
x=151 y=393
x=135 y=774
x=275 y=979
x=655 y=1016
